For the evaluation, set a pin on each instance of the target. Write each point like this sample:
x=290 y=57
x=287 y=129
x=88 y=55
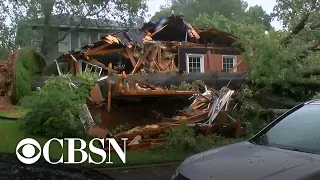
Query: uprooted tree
x=283 y=64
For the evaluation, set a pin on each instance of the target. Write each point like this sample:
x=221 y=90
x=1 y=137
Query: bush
x=183 y=139
x=54 y=109
x=26 y=67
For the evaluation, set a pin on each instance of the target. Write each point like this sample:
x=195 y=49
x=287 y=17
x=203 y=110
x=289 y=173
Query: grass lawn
x=11 y=133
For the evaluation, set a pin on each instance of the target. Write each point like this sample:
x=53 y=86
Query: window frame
x=37 y=39
x=67 y=39
x=256 y=138
x=201 y=61
x=79 y=36
x=234 y=62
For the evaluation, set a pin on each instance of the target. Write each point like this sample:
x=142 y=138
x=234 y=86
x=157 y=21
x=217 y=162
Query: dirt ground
x=5 y=103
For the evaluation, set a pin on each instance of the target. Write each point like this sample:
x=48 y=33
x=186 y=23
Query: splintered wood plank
x=95 y=94
x=97 y=132
x=142 y=83
x=154 y=53
x=154 y=93
x=159 y=55
x=97 y=49
x=236 y=66
x=142 y=59
x=195 y=34
x=73 y=58
x=106 y=51
x=109 y=89
x=130 y=55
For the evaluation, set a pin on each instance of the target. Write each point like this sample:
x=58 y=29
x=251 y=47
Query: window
x=65 y=44
x=296 y=131
x=195 y=63
x=37 y=39
x=84 y=39
x=228 y=62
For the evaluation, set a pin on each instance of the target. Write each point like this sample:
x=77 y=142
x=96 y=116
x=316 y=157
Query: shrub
x=54 y=108
x=183 y=139
x=26 y=67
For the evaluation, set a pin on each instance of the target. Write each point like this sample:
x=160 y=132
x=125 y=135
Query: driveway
x=157 y=172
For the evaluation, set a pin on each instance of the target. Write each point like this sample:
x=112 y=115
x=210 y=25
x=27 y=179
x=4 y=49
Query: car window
x=300 y=130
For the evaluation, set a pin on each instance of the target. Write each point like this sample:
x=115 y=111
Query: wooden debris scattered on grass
x=208 y=114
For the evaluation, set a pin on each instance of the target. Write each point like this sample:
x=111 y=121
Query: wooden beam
x=234 y=67
x=109 y=88
x=158 y=30
x=142 y=83
x=97 y=49
x=107 y=51
x=73 y=58
x=130 y=55
x=204 y=47
x=141 y=59
x=159 y=55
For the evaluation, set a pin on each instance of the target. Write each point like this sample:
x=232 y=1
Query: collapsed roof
x=173 y=28
x=155 y=42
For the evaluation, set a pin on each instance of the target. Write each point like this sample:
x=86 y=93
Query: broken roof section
x=173 y=28
x=154 y=46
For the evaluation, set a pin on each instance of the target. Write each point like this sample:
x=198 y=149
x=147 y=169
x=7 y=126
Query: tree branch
x=302 y=23
x=79 y=24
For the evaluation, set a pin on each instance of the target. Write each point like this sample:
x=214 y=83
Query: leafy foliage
x=233 y=9
x=182 y=139
x=26 y=67
x=54 y=108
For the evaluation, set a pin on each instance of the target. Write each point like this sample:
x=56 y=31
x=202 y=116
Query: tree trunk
x=214 y=80
x=47 y=8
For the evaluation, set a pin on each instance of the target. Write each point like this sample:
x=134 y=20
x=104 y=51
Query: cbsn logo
x=28 y=150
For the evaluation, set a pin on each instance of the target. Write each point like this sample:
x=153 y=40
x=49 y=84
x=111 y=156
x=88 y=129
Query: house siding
x=213 y=63
x=182 y=60
x=74 y=40
x=54 y=53
x=212 y=58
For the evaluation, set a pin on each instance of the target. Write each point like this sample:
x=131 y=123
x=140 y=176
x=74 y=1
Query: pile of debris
x=208 y=114
x=127 y=86
x=7 y=88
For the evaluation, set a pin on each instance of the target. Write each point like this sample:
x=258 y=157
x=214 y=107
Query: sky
x=267 y=5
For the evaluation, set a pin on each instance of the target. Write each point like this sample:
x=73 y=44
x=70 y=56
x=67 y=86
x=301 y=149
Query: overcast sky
x=266 y=4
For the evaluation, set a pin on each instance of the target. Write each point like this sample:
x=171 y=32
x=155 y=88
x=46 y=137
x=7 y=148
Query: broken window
x=228 y=62
x=84 y=39
x=195 y=63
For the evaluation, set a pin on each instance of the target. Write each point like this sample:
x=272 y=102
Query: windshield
x=299 y=131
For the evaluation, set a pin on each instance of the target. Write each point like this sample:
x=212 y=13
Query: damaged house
x=132 y=62
x=169 y=45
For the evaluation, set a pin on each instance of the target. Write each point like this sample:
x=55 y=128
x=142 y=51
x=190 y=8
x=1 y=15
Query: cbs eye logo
x=28 y=151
